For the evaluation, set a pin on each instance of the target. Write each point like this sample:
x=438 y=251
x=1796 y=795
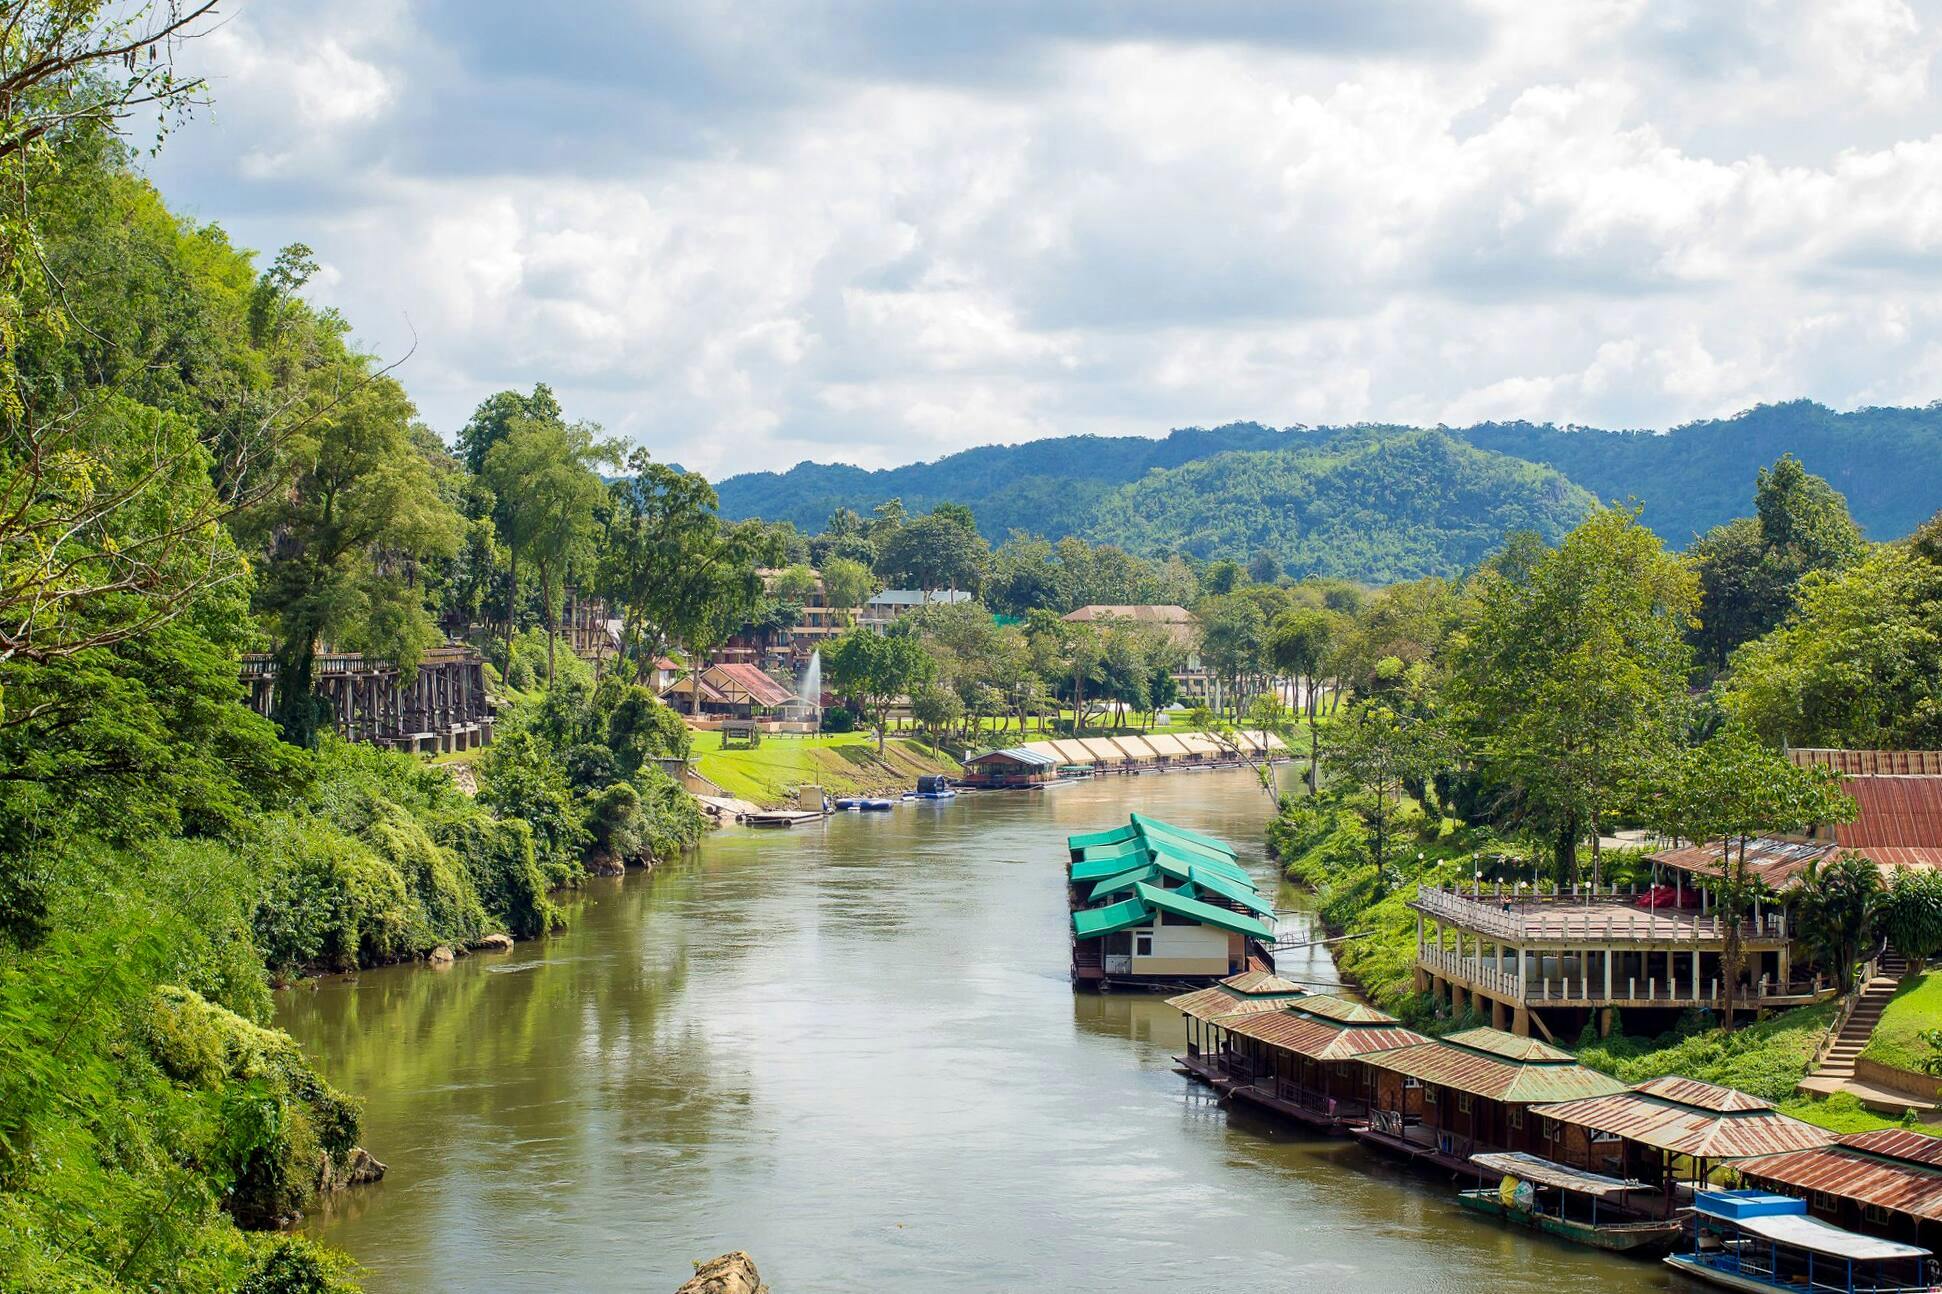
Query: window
x=1142 y=943
x=1429 y=1096
x=1463 y=1102
x=1822 y=1200
x=1602 y=1138
x=1516 y=1116
x=1875 y=1213
x=1409 y=1082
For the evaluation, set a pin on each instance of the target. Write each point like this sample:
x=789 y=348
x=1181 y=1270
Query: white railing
x=1524 y=920
x=1487 y=975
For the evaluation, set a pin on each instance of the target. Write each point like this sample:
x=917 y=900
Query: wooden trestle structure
x=443 y=708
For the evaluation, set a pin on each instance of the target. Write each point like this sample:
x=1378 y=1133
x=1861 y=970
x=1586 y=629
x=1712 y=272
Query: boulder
x=496 y=943
x=729 y=1274
x=605 y=864
x=440 y=956
x=359 y=1168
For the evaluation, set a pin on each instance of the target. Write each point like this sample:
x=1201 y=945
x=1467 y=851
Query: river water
x=852 y=1050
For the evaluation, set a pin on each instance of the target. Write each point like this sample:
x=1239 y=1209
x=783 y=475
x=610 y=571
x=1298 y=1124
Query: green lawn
x=1897 y=1040
x=841 y=763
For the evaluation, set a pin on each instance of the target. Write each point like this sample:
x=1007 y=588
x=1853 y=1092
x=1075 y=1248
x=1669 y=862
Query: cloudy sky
x=749 y=232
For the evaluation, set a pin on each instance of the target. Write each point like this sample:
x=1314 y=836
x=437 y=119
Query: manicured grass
x=841 y=763
x=1916 y=1006
x=1766 y=1059
x=1842 y=1112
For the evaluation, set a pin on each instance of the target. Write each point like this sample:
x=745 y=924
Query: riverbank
x=841 y=763
x=1322 y=852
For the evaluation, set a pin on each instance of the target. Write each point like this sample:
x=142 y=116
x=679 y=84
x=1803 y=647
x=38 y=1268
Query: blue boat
x=933 y=786
x=1751 y=1240
x=876 y=806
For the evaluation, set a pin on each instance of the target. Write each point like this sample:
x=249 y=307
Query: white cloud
x=1621 y=212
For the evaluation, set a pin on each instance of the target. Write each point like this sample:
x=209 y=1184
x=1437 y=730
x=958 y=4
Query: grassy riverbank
x=1326 y=850
x=840 y=763
x=1915 y=1009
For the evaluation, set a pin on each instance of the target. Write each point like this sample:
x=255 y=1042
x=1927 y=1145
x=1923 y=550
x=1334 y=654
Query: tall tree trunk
x=512 y=599
x=552 y=619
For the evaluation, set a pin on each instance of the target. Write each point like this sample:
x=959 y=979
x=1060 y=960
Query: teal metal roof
x=1205 y=914
x=1168 y=829
x=1207 y=879
x=1123 y=882
x=1111 y=836
x=1090 y=923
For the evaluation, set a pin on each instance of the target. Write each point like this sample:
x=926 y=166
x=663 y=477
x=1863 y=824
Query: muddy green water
x=852 y=1050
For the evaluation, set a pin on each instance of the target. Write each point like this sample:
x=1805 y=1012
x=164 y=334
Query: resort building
x=1157 y=906
x=1304 y=1061
x=1477 y=1088
x=1180 y=626
x=888 y=607
x=1549 y=961
x=1886 y=1183
x=1668 y=1130
x=738 y=690
x=1248 y=993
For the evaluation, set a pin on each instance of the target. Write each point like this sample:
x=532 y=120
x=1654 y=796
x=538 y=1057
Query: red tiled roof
x=1893 y=1169
x=1318 y=1037
x=760 y=688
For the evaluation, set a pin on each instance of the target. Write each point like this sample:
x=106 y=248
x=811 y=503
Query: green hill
x=1376 y=505
x=1887 y=461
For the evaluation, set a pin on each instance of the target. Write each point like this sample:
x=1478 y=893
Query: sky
x=746 y=233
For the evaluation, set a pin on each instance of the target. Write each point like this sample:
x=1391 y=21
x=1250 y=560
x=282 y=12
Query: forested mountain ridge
x=1887 y=461
x=1376 y=505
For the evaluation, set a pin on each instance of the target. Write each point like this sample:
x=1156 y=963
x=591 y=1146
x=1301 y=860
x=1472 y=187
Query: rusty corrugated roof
x=1475 y=1061
x=1320 y=1037
x=1776 y=862
x=1894 y=812
x=1688 y=1117
x=1508 y=1045
x=1343 y=1011
x=1869 y=761
x=1886 y=1168
x=1242 y=994
x=1704 y=1096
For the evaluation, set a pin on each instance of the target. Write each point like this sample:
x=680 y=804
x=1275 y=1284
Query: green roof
x=1168 y=829
x=1213 y=862
x=1122 y=881
x=1098 y=869
x=1090 y=923
x=1111 y=836
x=1205 y=878
x=1204 y=913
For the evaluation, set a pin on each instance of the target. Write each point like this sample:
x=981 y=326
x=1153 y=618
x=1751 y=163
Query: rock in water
x=496 y=943
x=439 y=956
x=729 y=1274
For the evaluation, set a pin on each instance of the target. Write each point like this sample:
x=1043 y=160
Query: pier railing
x=1584 y=920
x=1486 y=976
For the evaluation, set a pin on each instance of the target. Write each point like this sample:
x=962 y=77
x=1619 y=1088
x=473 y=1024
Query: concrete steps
x=1836 y=1069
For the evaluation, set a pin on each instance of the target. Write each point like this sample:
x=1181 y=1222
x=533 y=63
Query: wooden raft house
x=1304 y=1062
x=1443 y=1100
x=1235 y=997
x=1155 y=907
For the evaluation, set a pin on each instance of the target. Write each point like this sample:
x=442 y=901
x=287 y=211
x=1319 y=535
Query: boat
x=933 y=786
x=1544 y=1196
x=1752 y=1240
x=876 y=805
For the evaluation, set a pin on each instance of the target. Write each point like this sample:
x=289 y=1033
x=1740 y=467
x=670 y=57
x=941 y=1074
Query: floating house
x=1012 y=768
x=1751 y=1240
x=1887 y=1182
x=1234 y=997
x=1156 y=906
x=1305 y=1061
x=1669 y=1129
x=1477 y=1090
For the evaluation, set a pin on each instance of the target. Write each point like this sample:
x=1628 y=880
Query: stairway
x=1837 y=1066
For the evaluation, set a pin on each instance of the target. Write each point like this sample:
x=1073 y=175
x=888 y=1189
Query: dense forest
x=1888 y=462
x=1375 y=506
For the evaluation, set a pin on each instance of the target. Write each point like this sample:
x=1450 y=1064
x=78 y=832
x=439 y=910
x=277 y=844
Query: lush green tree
x=1299 y=645
x=936 y=551
x=1911 y=914
x=496 y=417
x=874 y=669
x=1233 y=644
x=1729 y=792
x=1264 y=567
x=1382 y=752
x=544 y=475
x=1572 y=672
x=1836 y=905
x=847 y=584
x=1860 y=662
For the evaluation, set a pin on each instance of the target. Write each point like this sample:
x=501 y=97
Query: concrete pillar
x=1605 y=1020
x=1497 y=1014
x=1608 y=974
x=1695 y=972
x=1520 y=1021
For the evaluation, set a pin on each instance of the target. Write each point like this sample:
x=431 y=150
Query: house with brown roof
x=1884 y=1183
x=1303 y=1061
x=1477 y=1088
x=736 y=690
x=1669 y=1129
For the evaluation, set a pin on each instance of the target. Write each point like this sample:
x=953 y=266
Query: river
x=852 y=1050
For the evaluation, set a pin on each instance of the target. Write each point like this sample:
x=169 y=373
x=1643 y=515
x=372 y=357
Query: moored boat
x=1751 y=1240
x=1545 y=1196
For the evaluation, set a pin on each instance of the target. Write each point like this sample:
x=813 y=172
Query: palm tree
x=1839 y=902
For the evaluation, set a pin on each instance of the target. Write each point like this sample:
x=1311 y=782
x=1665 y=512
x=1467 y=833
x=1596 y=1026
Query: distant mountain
x=1379 y=505
x=1887 y=461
